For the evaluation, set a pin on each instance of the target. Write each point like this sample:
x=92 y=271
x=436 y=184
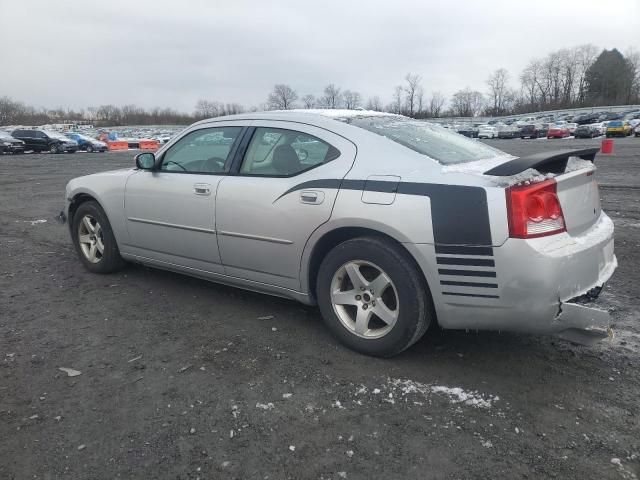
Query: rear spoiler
x=552 y=162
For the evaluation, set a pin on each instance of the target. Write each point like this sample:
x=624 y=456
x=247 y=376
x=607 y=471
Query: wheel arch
x=334 y=237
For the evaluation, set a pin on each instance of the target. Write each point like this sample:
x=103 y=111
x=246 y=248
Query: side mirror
x=145 y=161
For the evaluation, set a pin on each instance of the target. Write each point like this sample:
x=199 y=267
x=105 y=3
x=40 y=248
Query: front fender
x=108 y=190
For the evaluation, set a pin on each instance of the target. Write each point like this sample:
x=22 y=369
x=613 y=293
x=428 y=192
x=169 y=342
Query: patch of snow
x=456 y=395
x=344 y=113
x=479 y=166
x=265 y=406
x=577 y=163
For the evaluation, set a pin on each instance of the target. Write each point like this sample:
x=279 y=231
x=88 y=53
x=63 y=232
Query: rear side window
x=426 y=138
x=277 y=152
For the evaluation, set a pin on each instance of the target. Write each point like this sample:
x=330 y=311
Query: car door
x=283 y=189
x=171 y=211
x=27 y=136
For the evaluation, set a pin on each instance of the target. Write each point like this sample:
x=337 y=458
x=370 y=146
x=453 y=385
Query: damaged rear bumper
x=582 y=324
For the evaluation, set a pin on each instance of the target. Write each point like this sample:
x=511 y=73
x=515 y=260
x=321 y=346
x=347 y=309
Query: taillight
x=534 y=210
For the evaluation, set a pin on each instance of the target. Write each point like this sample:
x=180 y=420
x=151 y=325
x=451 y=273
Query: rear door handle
x=312 y=197
x=202 y=189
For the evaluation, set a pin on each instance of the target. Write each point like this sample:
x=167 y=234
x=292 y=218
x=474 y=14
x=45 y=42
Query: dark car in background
x=532 y=131
x=86 y=143
x=9 y=144
x=469 y=131
x=586 y=131
x=45 y=140
x=586 y=118
x=509 y=132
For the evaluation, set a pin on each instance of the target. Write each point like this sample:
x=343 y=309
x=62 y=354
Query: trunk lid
x=574 y=173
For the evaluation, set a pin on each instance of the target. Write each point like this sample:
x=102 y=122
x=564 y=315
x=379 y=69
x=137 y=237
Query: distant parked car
x=509 y=132
x=45 y=140
x=571 y=127
x=636 y=131
x=87 y=143
x=468 y=131
x=8 y=144
x=587 y=131
x=558 y=131
x=587 y=118
x=487 y=131
x=618 y=128
x=532 y=131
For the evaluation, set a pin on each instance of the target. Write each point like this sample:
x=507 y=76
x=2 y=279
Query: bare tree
x=374 y=103
x=351 y=99
x=436 y=103
x=411 y=89
x=282 y=97
x=586 y=56
x=309 y=101
x=420 y=101
x=332 y=96
x=396 y=105
x=498 y=90
x=467 y=103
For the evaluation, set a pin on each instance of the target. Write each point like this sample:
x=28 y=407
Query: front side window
x=202 y=151
x=278 y=152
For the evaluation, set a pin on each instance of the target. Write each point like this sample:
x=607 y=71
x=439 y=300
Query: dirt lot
x=184 y=379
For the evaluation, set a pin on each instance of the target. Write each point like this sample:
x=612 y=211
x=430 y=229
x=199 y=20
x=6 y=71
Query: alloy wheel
x=365 y=299
x=91 y=239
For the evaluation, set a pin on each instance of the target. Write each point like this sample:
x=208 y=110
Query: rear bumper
x=528 y=285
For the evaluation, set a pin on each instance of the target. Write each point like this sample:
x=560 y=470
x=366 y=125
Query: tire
x=107 y=261
x=54 y=149
x=89 y=149
x=409 y=307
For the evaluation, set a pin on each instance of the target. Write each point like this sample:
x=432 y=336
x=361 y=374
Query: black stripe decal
x=477 y=295
x=464 y=250
x=469 y=284
x=476 y=262
x=467 y=273
x=459 y=213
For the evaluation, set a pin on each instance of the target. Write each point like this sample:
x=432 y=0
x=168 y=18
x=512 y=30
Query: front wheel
x=373 y=297
x=94 y=240
x=54 y=149
x=89 y=149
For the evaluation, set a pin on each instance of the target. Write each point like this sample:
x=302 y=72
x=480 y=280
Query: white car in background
x=487 y=131
x=571 y=127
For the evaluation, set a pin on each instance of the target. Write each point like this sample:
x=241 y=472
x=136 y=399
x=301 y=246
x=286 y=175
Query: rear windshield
x=431 y=140
x=615 y=124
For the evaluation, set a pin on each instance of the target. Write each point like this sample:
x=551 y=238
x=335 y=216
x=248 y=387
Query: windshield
x=428 y=139
x=5 y=135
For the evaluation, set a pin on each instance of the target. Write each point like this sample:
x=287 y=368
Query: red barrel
x=607 y=145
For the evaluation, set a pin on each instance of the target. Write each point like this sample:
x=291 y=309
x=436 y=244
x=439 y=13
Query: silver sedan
x=388 y=224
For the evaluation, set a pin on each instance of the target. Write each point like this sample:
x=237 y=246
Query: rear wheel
x=372 y=296
x=94 y=240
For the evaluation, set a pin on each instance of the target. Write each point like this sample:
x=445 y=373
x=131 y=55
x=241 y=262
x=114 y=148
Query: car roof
x=315 y=116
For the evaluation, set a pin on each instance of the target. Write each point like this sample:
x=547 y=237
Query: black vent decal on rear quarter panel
x=459 y=213
x=461 y=231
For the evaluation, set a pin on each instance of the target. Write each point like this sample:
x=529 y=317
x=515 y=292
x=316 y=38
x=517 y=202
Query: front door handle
x=312 y=197
x=202 y=189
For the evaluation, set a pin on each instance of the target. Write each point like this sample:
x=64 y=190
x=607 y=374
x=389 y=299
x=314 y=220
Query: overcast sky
x=79 y=53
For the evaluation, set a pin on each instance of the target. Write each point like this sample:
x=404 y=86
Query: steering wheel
x=302 y=154
x=175 y=163
x=214 y=164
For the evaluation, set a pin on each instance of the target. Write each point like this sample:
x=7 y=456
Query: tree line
x=568 y=78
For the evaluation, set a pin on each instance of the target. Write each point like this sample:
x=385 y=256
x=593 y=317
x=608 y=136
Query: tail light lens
x=534 y=210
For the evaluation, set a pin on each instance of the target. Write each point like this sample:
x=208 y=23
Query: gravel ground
x=185 y=379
